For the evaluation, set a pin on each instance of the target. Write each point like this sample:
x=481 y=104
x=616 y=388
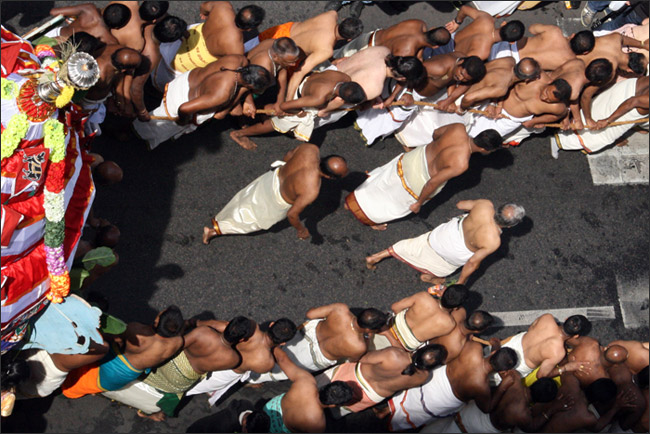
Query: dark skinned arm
x=72 y=11
x=293 y=215
x=632 y=103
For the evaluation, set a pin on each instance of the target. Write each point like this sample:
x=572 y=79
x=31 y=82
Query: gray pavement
x=582 y=245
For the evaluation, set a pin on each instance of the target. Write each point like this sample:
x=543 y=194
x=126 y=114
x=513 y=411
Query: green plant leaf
x=77 y=276
x=103 y=256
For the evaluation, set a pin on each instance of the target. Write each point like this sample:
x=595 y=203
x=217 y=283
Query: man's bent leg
x=241 y=136
x=430 y=278
x=372 y=260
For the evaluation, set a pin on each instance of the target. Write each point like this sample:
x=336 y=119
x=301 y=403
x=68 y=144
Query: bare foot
x=370 y=263
x=208 y=234
x=157 y=417
x=243 y=141
x=431 y=279
x=381 y=227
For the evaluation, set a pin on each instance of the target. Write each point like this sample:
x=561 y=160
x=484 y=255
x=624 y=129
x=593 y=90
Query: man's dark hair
x=504 y=359
x=170 y=322
x=601 y=391
x=115 y=60
x=350 y=28
x=636 y=63
x=408 y=67
x=285 y=47
x=87 y=43
x=577 y=325
x=335 y=393
x=239 y=328
x=255 y=76
x=454 y=296
x=116 y=16
x=527 y=69
x=642 y=378
x=438 y=36
x=152 y=10
x=599 y=71
x=474 y=66
x=249 y=17
x=14 y=371
x=258 y=421
x=489 y=139
x=326 y=163
x=282 y=330
x=513 y=31
x=543 y=390
x=562 y=90
x=582 y=42
x=479 y=321
x=352 y=93
x=509 y=215
x=169 y=29
x=426 y=358
x=372 y=319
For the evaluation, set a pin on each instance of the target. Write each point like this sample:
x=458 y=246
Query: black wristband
x=456 y=21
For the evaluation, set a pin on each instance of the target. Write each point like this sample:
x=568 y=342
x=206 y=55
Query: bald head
x=126 y=59
x=334 y=166
x=527 y=69
x=107 y=173
x=616 y=354
x=509 y=215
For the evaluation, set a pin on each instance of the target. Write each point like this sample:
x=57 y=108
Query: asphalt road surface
x=580 y=246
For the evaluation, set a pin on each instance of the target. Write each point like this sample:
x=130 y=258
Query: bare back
x=477 y=38
x=638 y=356
x=426 y=318
x=450 y=150
x=499 y=77
x=207 y=351
x=221 y=35
x=301 y=408
x=403 y=39
x=456 y=339
x=368 y=68
x=131 y=35
x=573 y=72
x=525 y=99
x=337 y=336
x=439 y=70
x=548 y=46
x=316 y=33
x=88 y=19
x=145 y=349
x=543 y=342
x=383 y=371
x=301 y=174
x=256 y=353
x=467 y=375
x=587 y=350
x=609 y=47
x=479 y=228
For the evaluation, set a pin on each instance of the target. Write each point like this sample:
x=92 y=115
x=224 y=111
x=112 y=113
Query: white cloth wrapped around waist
x=387 y=196
x=418 y=254
x=218 y=383
x=258 y=206
x=448 y=241
x=301 y=126
x=504 y=49
x=477 y=123
x=515 y=343
x=474 y=420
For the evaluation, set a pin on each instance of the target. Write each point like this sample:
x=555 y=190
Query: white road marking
x=526 y=317
x=633 y=298
x=621 y=165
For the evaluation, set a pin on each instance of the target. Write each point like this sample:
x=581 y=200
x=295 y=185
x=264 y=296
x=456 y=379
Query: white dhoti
x=415 y=407
x=476 y=123
x=44 y=376
x=138 y=395
x=359 y=43
x=164 y=72
x=417 y=253
x=258 y=206
x=470 y=418
x=603 y=106
x=303 y=350
x=419 y=128
x=514 y=343
x=380 y=123
x=497 y=9
x=504 y=49
x=217 y=384
x=155 y=132
x=302 y=127
x=332 y=116
x=391 y=189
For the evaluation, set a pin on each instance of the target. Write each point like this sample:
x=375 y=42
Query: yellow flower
x=13 y=134
x=66 y=95
x=9 y=89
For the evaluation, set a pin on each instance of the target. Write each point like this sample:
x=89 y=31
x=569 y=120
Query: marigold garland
x=59 y=287
x=9 y=89
x=64 y=98
x=54 y=182
x=54 y=139
x=43 y=50
x=12 y=135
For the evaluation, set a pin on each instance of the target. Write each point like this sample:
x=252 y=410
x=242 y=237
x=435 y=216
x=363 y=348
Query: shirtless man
x=277 y=55
x=581 y=417
x=464 y=241
x=312 y=100
x=381 y=374
x=140 y=348
x=637 y=354
x=588 y=352
x=205 y=350
x=542 y=345
x=452 y=386
x=623 y=377
x=501 y=74
x=316 y=36
x=114 y=62
x=298 y=184
x=383 y=197
x=142 y=16
x=255 y=351
x=422 y=317
x=406 y=38
x=551 y=48
x=466 y=328
x=478 y=37
x=88 y=18
x=302 y=408
x=203 y=94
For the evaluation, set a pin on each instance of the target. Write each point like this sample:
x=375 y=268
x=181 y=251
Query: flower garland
x=9 y=89
x=64 y=98
x=54 y=206
x=13 y=134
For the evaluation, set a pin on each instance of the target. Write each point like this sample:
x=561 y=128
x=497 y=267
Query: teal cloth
x=274 y=409
x=115 y=371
